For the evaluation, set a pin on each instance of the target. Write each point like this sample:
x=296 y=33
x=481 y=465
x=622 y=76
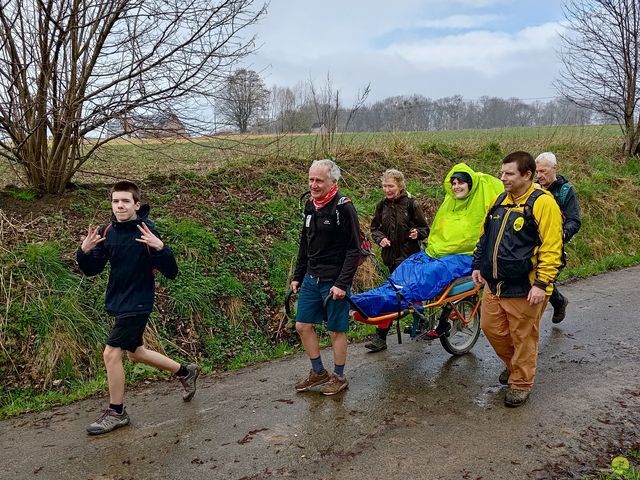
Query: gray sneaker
x=108 y=420
x=189 y=382
x=313 y=380
x=504 y=377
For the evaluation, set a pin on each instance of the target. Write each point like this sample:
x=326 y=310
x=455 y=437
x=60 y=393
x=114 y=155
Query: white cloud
x=303 y=40
x=489 y=53
x=310 y=29
x=458 y=22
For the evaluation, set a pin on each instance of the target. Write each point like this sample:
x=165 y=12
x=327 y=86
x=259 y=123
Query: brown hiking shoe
x=313 y=380
x=504 y=377
x=515 y=398
x=335 y=385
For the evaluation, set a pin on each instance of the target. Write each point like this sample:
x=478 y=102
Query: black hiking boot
x=377 y=344
x=560 y=312
x=504 y=377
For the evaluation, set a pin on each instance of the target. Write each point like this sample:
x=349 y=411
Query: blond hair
x=397 y=176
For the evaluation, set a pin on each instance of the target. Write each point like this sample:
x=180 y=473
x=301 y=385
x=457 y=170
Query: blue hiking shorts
x=312 y=294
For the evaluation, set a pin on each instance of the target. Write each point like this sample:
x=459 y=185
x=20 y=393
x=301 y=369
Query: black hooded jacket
x=565 y=196
x=131 y=286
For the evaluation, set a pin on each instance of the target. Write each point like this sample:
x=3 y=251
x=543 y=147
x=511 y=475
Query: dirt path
x=411 y=412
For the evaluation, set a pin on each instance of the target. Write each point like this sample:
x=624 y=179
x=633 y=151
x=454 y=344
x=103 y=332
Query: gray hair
x=548 y=158
x=330 y=165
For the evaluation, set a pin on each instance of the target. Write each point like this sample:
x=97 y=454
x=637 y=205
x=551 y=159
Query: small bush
x=189 y=239
x=25 y=195
x=446 y=150
x=490 y=153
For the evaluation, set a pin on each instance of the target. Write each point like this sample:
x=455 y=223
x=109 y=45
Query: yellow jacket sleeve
x=548 y=259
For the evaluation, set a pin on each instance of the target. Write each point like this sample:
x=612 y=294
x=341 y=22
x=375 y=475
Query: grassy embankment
x=233 y=223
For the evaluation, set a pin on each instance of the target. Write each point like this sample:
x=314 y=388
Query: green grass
x=25 y=194
x=26 y=400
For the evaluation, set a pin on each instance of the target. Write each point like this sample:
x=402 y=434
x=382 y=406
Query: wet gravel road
x=412 y=411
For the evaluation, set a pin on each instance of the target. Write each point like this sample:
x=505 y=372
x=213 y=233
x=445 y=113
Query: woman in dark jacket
x=398 y=226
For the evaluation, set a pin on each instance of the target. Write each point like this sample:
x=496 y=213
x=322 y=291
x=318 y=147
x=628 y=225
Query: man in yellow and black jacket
x=518 y=255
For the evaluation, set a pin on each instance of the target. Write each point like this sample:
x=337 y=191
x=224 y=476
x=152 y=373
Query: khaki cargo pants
x=512 y=327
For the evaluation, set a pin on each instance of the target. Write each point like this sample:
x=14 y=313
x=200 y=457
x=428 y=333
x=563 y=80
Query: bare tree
x=291 y=110
x=68 y=68
x=601 y=62
x=243 y=97
x=330 y=114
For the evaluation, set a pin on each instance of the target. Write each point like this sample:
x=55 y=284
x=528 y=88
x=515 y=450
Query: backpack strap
x=497 y=203
x=528 y=205
x=562 y=194
x=342 y=200
x=412 y=205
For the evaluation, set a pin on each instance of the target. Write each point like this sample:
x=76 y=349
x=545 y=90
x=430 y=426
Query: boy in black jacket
x=135 y=251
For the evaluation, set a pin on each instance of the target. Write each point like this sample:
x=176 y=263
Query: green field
x=229 y=209
x=136 y=158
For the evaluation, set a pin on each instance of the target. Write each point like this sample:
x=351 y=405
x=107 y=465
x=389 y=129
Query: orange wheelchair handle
x=348 y=299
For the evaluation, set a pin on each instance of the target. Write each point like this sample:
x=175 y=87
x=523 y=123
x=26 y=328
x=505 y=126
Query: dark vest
x=511 y=237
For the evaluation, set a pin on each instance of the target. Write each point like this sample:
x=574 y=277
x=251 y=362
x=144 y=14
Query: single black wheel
x=462 y=338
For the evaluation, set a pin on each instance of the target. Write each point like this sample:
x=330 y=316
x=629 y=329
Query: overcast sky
x=435 y=48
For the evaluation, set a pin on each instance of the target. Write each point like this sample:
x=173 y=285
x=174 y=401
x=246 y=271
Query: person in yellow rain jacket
x=454 y=233
x=456 y=226
x=518 y=255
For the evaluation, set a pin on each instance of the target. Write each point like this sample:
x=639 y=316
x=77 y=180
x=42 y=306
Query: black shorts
x=127 y=332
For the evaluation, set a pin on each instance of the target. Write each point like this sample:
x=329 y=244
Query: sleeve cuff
x=540 y=284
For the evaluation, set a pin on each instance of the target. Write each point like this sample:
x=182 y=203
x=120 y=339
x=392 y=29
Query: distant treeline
x=299 y=110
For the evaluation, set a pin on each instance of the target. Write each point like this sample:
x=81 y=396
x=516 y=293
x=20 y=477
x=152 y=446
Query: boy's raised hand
x=92 y=239
x=149 y=238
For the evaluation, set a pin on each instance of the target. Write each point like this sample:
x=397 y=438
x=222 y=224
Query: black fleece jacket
x=131 y=286
x=329 y=243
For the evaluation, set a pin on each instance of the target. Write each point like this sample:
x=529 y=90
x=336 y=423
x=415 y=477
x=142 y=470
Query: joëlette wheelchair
x=458 y=304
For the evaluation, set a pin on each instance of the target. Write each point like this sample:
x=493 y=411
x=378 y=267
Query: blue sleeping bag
x=420 y=277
